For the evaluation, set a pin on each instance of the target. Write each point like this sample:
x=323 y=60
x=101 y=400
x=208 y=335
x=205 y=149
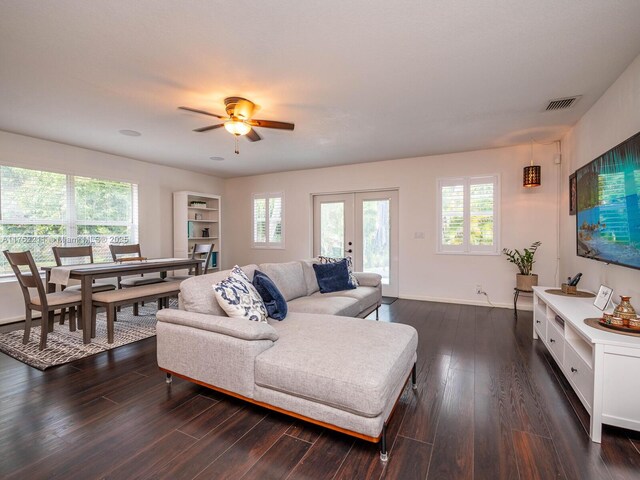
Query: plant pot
x=525 y=282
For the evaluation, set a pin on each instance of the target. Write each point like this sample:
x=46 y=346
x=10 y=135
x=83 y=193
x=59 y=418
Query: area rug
x=64 y=346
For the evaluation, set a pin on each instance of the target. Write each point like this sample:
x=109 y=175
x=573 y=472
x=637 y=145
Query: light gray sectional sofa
x=320 y=363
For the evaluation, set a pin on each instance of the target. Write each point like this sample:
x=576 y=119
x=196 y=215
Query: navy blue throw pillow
x=333 y=277
x=271 y=296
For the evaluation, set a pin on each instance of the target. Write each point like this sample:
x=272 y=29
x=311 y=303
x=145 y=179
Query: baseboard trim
x=462 y=301
x=18 y=318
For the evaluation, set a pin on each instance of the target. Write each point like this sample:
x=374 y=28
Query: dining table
x=86 y=273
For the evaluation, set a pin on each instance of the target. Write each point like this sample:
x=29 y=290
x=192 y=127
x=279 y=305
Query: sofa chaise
x=321 y=364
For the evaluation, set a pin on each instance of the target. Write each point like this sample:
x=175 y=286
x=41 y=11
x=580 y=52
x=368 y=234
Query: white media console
x=602 y=367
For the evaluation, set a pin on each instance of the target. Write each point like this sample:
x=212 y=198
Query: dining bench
x=111 y=300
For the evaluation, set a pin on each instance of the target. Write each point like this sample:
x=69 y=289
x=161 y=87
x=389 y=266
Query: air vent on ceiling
x=562 y=103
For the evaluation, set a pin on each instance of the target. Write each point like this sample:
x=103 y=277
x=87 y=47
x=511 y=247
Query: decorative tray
x=601 y=324
x=577 y=293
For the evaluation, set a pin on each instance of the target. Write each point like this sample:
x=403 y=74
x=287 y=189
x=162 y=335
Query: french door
x=364 y=226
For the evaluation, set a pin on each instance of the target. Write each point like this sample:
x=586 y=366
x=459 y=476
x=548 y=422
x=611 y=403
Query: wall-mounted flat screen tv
x=608 y=213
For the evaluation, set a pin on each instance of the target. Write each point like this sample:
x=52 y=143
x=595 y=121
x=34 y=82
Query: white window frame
x=466 y=248
x=267 y=244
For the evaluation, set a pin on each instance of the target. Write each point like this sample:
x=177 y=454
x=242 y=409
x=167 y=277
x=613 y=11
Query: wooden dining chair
x=131 y=251
x=80 y=255
x=46 y=303
x=198 y=249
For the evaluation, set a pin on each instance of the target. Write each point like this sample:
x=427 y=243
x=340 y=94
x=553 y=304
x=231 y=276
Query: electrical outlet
x=479 y=289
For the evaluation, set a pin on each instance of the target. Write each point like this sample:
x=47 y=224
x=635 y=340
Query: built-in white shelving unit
x=193 y=213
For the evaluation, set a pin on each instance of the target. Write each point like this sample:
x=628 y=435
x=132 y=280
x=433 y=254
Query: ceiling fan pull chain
x=237 y=146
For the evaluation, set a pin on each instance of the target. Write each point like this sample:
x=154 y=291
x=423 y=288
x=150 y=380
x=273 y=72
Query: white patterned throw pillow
x=352 y=278
x=239 y=298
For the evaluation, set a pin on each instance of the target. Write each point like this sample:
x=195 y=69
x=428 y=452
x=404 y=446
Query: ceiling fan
x=238 y=121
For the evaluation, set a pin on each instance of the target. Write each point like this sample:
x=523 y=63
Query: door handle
x=538 y=321
x=552 y=340
x=574 y=370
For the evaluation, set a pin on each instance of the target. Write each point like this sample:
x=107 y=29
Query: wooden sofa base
x=379 y=439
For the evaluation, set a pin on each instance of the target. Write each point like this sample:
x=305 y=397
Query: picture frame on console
x=603 y=297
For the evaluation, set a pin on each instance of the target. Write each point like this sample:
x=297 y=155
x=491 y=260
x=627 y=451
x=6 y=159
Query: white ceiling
x=362 y=80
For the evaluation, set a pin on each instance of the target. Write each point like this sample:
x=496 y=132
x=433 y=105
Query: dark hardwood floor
x=491 y=404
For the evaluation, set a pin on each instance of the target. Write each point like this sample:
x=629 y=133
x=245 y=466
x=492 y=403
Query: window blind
x=268 y=220
x=468 y=214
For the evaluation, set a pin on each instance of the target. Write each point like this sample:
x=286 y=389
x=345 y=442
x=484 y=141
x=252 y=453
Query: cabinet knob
x=574 y=370
x=538 y=321
x=552 y=340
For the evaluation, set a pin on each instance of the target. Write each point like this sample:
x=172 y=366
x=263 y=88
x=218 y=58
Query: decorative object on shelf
x=577 y=294
x=624 y=309
x=603 y=297
x=573 y=193
x=198 y=216
x=573 y=282
x=571 y=287
x=205 y=232
x=198 y=204
x=525 y=280
x=612 y=319
x=531 y=176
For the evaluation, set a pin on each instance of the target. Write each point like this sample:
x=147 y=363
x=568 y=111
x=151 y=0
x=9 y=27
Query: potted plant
x=524 y=261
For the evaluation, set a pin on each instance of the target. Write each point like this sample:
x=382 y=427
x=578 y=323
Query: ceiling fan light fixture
x=237 y=127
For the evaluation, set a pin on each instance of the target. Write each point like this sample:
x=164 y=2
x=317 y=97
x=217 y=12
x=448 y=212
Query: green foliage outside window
x=39 y=210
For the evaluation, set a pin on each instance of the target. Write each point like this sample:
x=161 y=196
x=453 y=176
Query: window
x=468 y=220
x=268 y=220
x=39 y=210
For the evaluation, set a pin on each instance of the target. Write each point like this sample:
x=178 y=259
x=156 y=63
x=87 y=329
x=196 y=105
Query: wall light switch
x=418 y=235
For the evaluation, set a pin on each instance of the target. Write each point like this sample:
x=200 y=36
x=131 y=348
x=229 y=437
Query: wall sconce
x=531 y=175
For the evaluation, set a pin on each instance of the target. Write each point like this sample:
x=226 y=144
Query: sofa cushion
x=366 y=297
x=239 y=299
x=273 y=300
x=333 y=277
x=337 y=305
x=348 y=363
x=310 y=275
x=196 y=294
x=288 y=277
x=352 y=278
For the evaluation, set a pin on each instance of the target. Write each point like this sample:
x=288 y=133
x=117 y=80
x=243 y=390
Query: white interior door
x=362 y=225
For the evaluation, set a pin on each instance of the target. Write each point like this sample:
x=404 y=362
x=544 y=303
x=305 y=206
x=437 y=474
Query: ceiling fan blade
x=210 y=127
x=271 y=124
x=253 y=136
x=201 y=111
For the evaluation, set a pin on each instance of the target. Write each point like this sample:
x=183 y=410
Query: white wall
x=614 y=118
x=155 y=186
x=527 y=215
